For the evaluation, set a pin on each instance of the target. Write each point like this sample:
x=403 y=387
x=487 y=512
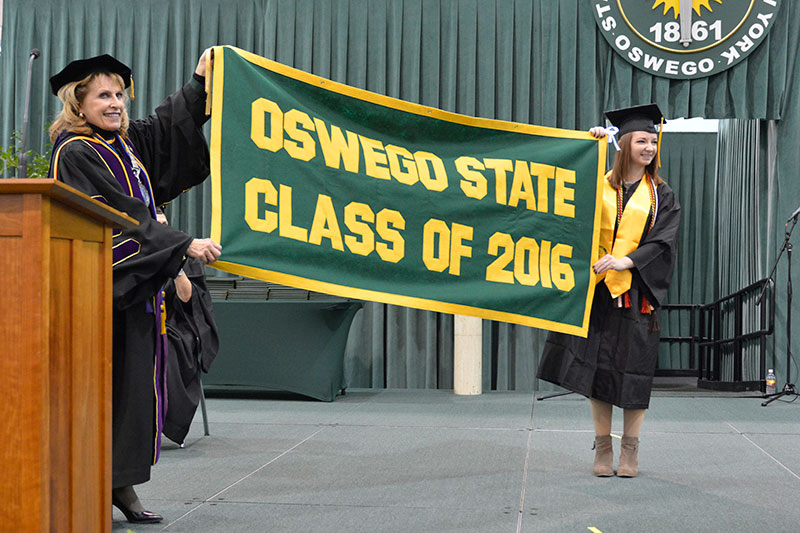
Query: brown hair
x=622 y=162
x=71 y=95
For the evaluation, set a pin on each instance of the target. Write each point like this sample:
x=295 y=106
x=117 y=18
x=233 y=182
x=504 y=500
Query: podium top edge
x=68 y=195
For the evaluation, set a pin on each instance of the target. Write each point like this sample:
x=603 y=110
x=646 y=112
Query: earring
x=80 y=114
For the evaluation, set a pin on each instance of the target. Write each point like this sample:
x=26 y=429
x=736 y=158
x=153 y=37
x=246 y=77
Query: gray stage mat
x=411 y=460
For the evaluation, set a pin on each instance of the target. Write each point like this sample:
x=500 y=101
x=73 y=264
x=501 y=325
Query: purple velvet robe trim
x=120 y=165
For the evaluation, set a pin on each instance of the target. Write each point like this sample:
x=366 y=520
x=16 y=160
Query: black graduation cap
x=77 y=70
x=638 y=118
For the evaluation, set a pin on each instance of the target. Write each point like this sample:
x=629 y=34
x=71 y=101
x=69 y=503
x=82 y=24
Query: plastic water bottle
x=771 y=381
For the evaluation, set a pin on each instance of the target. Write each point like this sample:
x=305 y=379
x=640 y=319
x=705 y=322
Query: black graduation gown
x=617 y=360
x=173 y=150
x=193 y=345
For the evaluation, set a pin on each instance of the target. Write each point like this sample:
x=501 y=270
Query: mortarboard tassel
x=660 y=131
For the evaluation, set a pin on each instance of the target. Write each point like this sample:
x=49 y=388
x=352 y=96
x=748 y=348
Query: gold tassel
x=163 y=314
x=660 y=131
x=132 y=87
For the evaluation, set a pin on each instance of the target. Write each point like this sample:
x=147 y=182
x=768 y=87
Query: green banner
x=331 y=188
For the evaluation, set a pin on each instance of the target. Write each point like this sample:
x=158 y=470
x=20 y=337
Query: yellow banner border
x=217 y=85
x=394 y=299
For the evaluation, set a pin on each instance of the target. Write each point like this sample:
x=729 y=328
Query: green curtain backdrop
x=535 y=61
x=690 y=167
x=739 y=170
x=786 y=199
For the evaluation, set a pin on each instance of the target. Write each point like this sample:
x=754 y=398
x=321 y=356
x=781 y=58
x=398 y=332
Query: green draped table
x=292 y=346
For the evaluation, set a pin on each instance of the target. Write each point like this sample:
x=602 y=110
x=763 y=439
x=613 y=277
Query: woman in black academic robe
x=134 y=166
x=615 y=364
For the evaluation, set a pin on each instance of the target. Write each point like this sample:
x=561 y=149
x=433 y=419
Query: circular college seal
x=685 y=39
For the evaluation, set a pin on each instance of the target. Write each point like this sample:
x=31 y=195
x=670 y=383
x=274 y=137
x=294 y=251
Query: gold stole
x=629 y=232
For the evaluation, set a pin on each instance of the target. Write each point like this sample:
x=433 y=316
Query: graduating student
x=193 y=343
x=134 y=166
x=615 y=364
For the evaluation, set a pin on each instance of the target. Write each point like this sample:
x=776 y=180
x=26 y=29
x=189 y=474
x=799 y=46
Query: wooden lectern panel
x=23 y=426
x=55 y=321
x=80 y=380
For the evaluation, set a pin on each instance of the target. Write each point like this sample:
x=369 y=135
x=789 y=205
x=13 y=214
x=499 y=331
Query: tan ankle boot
x=603 y=456
x=629 y=457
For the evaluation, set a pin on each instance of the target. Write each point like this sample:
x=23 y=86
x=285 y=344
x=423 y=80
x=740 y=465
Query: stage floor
x=427 y=460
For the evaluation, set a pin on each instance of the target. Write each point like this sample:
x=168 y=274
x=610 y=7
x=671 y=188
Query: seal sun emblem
x=675 y=6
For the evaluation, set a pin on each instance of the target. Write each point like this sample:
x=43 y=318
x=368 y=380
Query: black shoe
x=136 y=517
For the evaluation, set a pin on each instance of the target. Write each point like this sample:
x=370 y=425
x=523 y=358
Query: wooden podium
x=55 y=365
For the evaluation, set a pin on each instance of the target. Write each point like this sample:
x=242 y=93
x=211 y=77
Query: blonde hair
x=71 y=95
x=622 y=162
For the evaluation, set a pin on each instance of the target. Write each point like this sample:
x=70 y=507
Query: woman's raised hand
x=201 y=63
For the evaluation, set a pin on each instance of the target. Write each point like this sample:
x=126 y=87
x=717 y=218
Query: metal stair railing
x=728 y=338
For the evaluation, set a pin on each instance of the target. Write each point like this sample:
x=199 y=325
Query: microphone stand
x=22 y=164
x=788 y=389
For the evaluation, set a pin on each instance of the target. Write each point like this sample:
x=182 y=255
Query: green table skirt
x=293 y=346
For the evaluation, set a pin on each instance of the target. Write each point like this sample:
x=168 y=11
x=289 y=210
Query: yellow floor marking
x=594 y=529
